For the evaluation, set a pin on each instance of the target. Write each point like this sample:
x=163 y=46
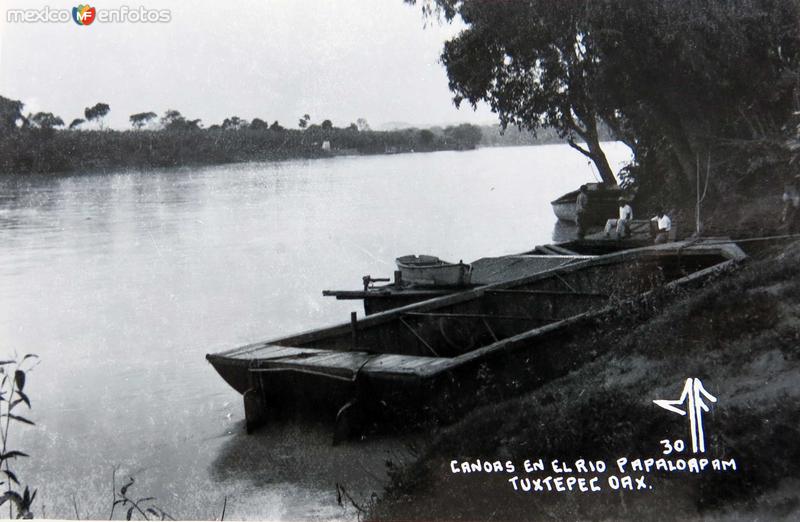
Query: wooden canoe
x=485 y=271
x=402 y=360
x=432 y=271
x=603 y=205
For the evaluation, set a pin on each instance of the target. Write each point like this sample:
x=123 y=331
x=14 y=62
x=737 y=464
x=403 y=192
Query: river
x=121 y=282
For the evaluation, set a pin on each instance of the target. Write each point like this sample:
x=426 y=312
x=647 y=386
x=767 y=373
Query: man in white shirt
x=623 y=223
x=661 y=224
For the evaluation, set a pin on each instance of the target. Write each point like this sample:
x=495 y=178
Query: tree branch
x=571 y=142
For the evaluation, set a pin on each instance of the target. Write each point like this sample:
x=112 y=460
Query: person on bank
x=660 y=225
x=791 y=207
x=581 y=206
x=623 y=223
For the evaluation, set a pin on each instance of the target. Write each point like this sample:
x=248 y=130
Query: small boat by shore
x=432 y=271
x=603 y=204
x=484 y=271
x=491 y=270
x=410 y=360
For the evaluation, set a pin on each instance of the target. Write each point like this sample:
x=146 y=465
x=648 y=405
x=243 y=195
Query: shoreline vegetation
x=41 y=143
x=738 y=333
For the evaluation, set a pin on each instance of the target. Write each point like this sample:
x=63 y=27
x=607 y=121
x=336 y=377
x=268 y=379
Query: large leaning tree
x=685 y=79
x=532 y=63
x=673 y=79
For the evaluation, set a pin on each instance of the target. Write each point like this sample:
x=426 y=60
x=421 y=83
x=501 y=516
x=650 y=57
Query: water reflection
x=564 y=231
x=300 y=453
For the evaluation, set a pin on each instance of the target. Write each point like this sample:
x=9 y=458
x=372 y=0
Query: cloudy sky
x=273 y=59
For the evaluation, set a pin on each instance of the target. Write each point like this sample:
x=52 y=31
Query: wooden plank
x=346 y=365
x=489 y=328
x=331 y=359
x=400 y=364
x=558 y=276
x=385 y=292
x=470 y=316
x=418 y=336
x=245 y=349
x=272 y=351
x=562 y=250
x=412 y=363
x=304 y=370
x=511 y=291
x=339 y=365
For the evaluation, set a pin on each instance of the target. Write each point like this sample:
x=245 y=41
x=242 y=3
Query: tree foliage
x=464 y=136
x=141 y=119
x=10 y=113
x=679 y=78
x=674 y=79
x=46 y=120
x=97 y=112
x=234 y=123
x=362 y=124
x=174 y=121
x=532 y=63
x=259 y=124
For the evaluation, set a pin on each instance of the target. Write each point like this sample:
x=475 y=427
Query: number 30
x=676 y=446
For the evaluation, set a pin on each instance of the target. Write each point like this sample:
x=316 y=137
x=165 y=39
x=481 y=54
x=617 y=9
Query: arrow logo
x=692 y=399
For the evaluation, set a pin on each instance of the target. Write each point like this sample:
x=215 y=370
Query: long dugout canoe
x=409 y=359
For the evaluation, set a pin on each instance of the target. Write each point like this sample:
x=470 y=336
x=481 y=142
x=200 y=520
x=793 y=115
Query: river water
x=121 y=282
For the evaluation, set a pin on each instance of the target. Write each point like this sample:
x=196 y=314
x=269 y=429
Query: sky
x=273 y=59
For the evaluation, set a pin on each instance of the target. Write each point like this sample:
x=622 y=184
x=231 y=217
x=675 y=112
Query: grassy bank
x=740 y=334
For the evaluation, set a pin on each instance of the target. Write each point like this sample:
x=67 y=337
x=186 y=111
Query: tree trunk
x=595 y=152
x=674 y=130
x=601 y=162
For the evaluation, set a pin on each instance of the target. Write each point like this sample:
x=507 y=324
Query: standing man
x=660 y=226
x=581 y=206
x=624 y=222
x=791 y=207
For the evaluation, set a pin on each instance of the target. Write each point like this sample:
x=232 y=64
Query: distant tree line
x=41 y=142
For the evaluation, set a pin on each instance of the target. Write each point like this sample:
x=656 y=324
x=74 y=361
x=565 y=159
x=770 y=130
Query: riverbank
x=739 y=334
x=31 y=150
x=37 y=150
